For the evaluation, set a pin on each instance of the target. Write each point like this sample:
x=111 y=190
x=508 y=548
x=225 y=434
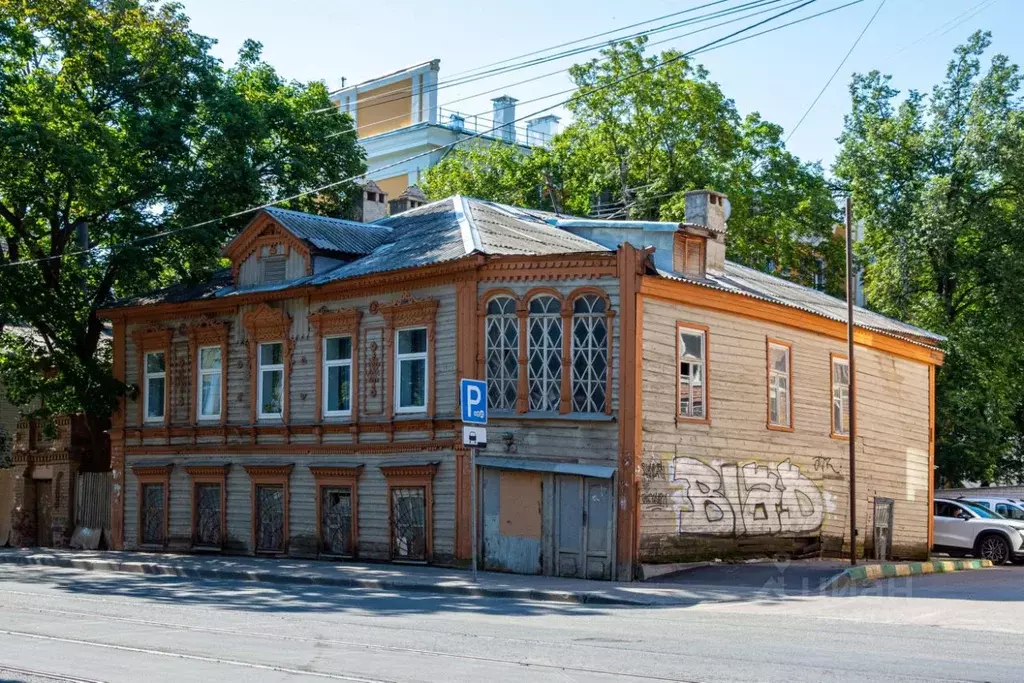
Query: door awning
x=582 y=470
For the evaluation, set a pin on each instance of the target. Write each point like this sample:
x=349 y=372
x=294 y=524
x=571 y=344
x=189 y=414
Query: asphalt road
x=93 y=626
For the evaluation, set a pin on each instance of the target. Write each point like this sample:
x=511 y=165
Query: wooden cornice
x=382 y=448
x=265 y=323
x=208 y=470
x=152 y=470
x=153 y=337
x=336 y=472
x=409 y=471
x=208 y=332
x=740 y=304
x=345 y=321
x=558 y=267
x=269 y=470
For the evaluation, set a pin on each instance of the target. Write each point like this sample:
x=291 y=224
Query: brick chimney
x=409 y=199
x=504 y=118
x=700 y=242
x=373 y=205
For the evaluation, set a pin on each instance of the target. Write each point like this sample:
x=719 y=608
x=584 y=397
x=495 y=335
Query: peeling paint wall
x=732 y=487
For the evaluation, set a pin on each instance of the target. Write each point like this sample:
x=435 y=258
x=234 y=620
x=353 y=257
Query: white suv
x=965 y=528
x=1004 y=507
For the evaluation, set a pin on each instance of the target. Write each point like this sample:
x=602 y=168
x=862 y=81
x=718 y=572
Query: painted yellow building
x=404 y=131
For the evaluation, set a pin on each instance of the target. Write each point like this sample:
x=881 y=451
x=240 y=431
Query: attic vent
x=689 y=255
x=273 y=268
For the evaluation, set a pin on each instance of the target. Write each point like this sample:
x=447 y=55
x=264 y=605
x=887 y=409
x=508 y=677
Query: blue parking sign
x=473 y=394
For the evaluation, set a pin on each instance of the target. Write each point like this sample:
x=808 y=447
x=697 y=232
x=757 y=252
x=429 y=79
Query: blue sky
x=777 y=74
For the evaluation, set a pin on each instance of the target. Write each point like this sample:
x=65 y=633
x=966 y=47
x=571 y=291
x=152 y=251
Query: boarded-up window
x=273 y=268
x=688 y=255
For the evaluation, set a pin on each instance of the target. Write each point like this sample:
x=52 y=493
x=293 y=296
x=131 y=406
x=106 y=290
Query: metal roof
x=331 y=234
x=753 y=283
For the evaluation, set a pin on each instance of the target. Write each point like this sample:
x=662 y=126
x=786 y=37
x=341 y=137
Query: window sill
x=779 y=428
x=682 y=420
x=564 y=417
x=840 y=437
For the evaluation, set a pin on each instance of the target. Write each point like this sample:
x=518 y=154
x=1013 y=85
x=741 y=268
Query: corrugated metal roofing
x=331 y=234
x=458 y=226
x=754 y=283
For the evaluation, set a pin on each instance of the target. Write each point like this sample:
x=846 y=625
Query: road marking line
x=64 y=678
x=198 y=658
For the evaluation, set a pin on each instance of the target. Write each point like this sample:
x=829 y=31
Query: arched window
x=589 y=354
x=544 y=353
x=502 y=353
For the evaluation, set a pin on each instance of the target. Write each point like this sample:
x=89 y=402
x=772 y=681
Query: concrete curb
x=157 y=569
x=872 y=572
x=653 y=571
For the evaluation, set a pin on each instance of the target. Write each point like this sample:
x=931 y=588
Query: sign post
x=473 y=399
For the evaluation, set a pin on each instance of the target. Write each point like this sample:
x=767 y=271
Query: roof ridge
x=467 y=224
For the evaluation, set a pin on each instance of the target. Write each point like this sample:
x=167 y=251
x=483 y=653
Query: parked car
x=1004 y=507
x=962 y=528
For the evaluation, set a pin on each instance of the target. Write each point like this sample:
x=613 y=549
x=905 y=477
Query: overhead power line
x=722 y=41
x=402 y=93
x=836 y=72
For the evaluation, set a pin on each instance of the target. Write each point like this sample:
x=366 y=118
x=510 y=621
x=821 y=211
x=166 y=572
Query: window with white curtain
x=210 y=378
x=271 y=379
x=411 y=370
x=154 y=385
x=501 y=353
x=544 y=353
x=589 y=361
x=337 y=376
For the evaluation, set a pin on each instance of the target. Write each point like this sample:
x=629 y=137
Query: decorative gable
x=267 y=252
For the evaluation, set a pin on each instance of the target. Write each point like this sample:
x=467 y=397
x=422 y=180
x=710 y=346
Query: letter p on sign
x=474 y=401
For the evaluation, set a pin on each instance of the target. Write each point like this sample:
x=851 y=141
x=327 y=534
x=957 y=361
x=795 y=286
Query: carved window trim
x=326 y=324
x=148 y=475
x=609 y=319
x=264 y=233
x=149 y=340
x=337 y=477
x=404 y=313
x=266 y=325
x=202 y=335
x=771 y=342
x=411 y=476
x=563 y=319
x=705 y=332
x=269 y=475
x=209 y=474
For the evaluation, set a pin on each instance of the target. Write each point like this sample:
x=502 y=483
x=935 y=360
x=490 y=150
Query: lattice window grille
x=270 y=518
x=336 y=519
x=208 y=515
x=409 y=522
x=502 y=353
x=153 y=514
x=544 y=353
x=589 y=354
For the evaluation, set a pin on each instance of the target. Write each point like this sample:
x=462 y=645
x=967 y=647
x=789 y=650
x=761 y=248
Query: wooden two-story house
x=649 y=400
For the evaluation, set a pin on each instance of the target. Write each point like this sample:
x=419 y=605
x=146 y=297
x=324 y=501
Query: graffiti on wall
x=735 y=499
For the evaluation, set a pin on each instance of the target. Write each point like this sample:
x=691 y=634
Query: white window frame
x=844 y=411
x=260 y=368
x=147 y=378
x=202 y=374
x=688 y=328
x=399 y=357
x=788 y=374
x=328 y=364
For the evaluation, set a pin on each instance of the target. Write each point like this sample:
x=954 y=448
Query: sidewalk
x=372 y=576
x=707 y=583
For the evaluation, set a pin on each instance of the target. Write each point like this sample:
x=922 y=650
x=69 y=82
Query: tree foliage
x=938 y=181
x=117 y=125
x=647 y=129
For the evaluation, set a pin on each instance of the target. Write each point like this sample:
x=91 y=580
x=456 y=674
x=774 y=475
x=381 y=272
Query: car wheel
x=995 y=548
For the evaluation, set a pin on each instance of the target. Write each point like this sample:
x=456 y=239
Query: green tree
x=117 y=125
x=647 y=129
x=938 y=181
